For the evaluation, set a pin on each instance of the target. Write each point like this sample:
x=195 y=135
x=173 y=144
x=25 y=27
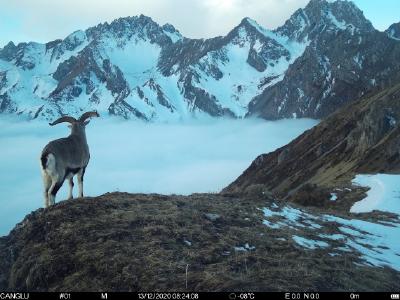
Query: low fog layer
x=137 y=157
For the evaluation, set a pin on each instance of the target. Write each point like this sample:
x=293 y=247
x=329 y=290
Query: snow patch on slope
x=375 y=241
x=339 y=24
x=134 y=58
x=296 y=49
x=384 y=193
x=308 y=243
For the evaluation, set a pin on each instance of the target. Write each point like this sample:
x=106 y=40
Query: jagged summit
x=247 y=21
x=124 y=29
x=129 y=21
x=252 y=26
x=321 y=15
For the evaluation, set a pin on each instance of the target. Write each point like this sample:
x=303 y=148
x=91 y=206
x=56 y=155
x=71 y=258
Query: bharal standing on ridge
x=64 y=158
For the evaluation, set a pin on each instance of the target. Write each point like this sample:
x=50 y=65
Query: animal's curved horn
x=63 y=119
x=88 y=114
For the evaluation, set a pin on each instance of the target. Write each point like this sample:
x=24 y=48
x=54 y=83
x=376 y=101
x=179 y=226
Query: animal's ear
x=86 y=122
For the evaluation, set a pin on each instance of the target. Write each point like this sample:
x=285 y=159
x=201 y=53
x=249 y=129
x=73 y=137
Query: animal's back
x=68 y=148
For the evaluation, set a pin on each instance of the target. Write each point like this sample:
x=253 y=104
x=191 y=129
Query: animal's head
x=77 y=125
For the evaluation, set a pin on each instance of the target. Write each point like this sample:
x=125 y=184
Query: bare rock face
x=363 y=137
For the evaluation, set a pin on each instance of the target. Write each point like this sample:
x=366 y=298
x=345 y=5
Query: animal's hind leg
x=47 y=185
x=55 y=186
x=55 y=179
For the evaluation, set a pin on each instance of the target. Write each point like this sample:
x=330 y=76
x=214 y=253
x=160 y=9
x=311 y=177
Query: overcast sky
x=46 y=20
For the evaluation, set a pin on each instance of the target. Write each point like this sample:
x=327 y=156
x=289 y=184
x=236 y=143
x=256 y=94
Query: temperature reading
x=245 y=296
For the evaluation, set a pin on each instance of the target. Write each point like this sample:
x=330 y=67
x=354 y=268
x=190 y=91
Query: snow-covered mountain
x=135 y=68
x=345 y=59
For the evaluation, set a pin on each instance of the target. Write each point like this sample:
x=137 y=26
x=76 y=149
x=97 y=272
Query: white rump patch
x=51 y=165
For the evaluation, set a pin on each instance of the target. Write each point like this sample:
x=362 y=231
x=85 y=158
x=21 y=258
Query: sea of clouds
x=137 y=157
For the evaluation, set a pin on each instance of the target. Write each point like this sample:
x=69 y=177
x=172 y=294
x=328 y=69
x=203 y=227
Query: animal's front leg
x=71 y=186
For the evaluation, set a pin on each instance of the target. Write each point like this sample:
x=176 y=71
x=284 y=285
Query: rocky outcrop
x=362 y=137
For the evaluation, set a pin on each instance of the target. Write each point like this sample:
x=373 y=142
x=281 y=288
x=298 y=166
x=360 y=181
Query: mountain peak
x=141 y=26
x=321 y=15
x=132 y=22
x=172 y=32
x=124 y=23
x=134 y=19
x=394 y=31
x=329 y=2
x=251 y=25
x=247 y=21
x=339 y=13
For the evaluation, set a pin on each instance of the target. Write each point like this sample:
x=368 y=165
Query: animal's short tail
x=43 y=159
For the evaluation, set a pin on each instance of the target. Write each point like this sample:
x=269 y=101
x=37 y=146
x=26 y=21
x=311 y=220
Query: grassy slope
x=131 y=242
x=358 y=138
